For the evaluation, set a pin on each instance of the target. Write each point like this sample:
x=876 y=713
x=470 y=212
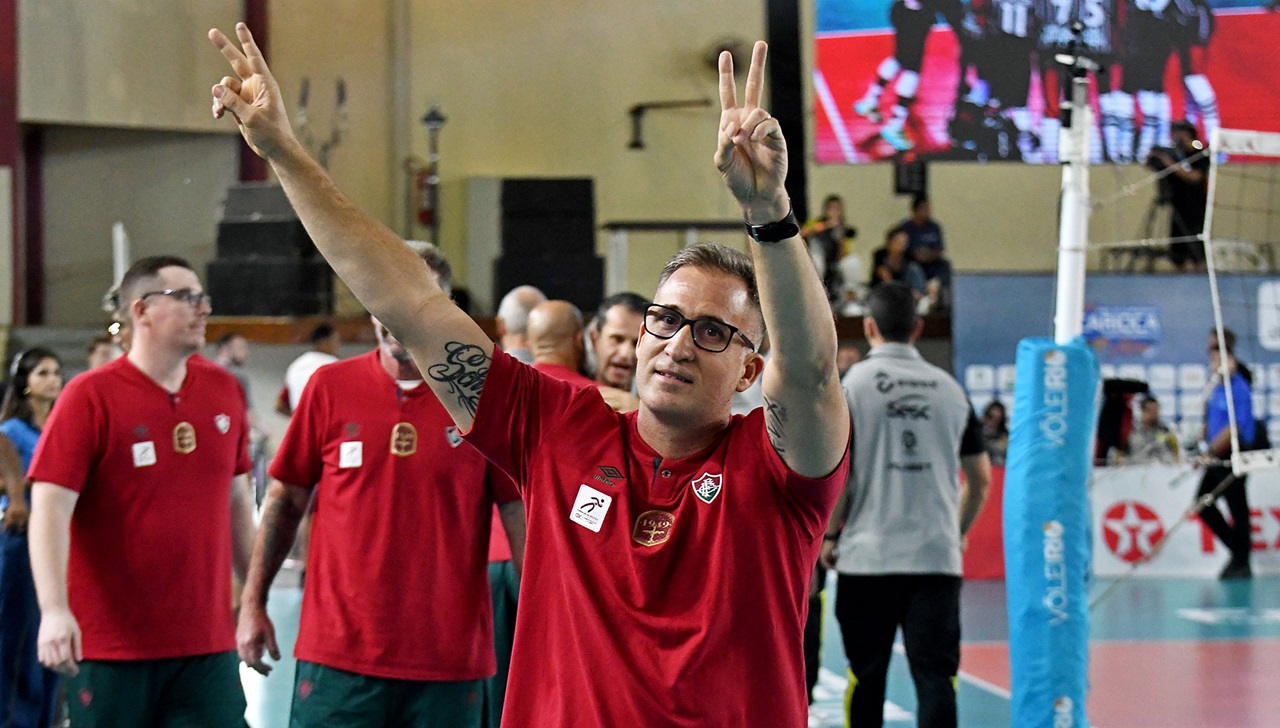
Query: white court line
x=832 y=111
x=970 y=678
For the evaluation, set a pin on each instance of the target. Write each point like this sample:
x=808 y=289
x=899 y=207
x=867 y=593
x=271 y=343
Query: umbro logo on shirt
x=608 y=474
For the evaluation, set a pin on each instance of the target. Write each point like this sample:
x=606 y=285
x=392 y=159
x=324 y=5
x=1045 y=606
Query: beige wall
x=542 y=88
x=121 y=63
x=333 y=39
x=166 y=188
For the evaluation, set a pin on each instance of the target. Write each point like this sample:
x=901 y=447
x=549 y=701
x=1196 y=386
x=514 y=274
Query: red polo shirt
x=397 y=566
x=149 y=574
x=654 y=592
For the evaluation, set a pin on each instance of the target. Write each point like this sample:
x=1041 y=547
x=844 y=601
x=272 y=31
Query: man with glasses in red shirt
x=669 y=550
x=140 y=511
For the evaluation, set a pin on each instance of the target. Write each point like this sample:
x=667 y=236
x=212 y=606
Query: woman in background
x=27 y=691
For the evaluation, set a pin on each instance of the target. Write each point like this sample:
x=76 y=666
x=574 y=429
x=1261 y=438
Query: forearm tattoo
x=464 y=369
x=280 y=519
x=775 y=420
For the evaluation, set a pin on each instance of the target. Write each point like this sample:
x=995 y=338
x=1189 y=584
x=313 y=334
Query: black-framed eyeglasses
x=708 y=334
x=189 y=296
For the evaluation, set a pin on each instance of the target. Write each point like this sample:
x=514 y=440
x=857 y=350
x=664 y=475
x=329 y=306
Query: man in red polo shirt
x=669 y=550
x=396 y=619
x=555 y=338
x=135 y=519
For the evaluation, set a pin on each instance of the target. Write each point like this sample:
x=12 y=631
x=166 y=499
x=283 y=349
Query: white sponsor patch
x=144 y=454
x=223 y=423
x=590 y=508
x=350 y=454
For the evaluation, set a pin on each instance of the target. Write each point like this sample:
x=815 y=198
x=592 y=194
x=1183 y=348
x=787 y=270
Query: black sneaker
x=1236 y=570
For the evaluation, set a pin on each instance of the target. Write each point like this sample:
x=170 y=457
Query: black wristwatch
x=830 y=537
x=774 y=232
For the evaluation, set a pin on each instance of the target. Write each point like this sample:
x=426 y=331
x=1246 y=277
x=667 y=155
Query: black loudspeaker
x=548 y=237
x=548 y=217
x=270 y=287
x=576 y=279
x=266 y=264
x=572 y=197
x=264 y=239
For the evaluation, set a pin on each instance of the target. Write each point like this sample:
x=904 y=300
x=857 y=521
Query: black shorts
x=1004 y=62
x=1149 y=43
x=910 y=31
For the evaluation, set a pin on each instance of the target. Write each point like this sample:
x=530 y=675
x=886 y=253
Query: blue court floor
x=1166 y=653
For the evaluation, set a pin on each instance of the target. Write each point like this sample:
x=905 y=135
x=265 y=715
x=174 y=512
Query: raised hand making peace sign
x=752 y=155
x=252 y=95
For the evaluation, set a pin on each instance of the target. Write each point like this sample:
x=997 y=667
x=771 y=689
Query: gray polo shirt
x=911 y=424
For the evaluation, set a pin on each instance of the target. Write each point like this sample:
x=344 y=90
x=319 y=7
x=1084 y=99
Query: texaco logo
x=1131 y=530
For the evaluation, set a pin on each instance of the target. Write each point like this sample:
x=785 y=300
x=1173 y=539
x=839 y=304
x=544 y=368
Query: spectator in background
x=325 y=342
x=1150 y=440
x=925 y=246
x=555 y=337
x=513 y=321
x=613 y=335
x=847 y=354
x=28 y=691
x=1238 y=535
x=1187 y=191
x=102 y=349
x=825 y=237
x=995 y=432
x=231 y=352
x=893 y=263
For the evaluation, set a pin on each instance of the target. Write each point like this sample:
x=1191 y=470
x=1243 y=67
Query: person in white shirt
x=325 y=342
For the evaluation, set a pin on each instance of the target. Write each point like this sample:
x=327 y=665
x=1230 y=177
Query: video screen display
x=978 y=79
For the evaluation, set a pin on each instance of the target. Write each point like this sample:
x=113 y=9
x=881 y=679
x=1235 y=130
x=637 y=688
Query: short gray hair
x=514 y=309
x=722 y=259
x=435 y=260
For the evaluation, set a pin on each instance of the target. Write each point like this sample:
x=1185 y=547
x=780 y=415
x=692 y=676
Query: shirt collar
x=895 y=350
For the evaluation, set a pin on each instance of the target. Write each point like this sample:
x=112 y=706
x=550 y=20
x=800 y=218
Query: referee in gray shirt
x=897 y=531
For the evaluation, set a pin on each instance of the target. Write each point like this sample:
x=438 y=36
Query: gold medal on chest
x=184 y=438
x=653 y=528
x=404 y=440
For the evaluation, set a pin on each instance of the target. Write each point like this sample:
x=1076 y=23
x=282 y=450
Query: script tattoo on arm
x=464 y=369
x=775 y=418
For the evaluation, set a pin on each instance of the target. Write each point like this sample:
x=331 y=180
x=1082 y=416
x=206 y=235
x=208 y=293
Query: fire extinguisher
x=425 y=187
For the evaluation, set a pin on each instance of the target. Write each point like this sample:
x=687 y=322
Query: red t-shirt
x=149 y=574
x=397 y=566
x=654 y=592
x=565 y=374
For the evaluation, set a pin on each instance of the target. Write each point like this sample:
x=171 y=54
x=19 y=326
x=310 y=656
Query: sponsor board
x=1135 y=506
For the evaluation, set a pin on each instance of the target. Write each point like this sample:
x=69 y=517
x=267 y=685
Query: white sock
x=1117 y=124
x=1021 y=117
x=1149 y=103
x=898 y=116
x=908 y=83
x=888 y=69
x=1201 y=92
x=1050 y=128
x=1166 y=118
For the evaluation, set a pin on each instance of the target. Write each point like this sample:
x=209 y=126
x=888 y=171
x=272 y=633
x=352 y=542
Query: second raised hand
x=752 y=153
